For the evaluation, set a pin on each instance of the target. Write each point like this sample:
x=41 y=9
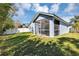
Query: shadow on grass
x=31 y=49
x=70 y=47
x=72 y=40
x=9 y=43
x=23 y=46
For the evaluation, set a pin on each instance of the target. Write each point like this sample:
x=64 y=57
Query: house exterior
x=48 y=24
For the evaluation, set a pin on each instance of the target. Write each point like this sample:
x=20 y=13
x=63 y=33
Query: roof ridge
x=49 y=14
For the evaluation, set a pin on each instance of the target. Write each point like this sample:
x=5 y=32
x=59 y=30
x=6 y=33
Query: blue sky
x=26 y=11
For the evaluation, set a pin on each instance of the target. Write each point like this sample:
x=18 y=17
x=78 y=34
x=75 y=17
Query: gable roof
x=48 y=14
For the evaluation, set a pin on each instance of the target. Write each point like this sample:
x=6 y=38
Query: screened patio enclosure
x=56 y=27
x=42 y=27
x=48 y=24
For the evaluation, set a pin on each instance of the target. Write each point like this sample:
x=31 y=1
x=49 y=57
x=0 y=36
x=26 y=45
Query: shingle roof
x=49 y=14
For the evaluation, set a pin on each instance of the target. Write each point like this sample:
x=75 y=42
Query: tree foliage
x=76 y=23
x=9 y=23
x=4 y=16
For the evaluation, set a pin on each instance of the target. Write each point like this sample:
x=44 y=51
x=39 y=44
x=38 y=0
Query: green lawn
x=28 y=44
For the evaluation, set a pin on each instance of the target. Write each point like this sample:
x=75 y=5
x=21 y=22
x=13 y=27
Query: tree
x=4 y=14
x=9 y=23
x=76 y=26
x=76 y=23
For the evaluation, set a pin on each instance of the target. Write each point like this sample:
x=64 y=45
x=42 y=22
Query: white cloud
x=38 y=8
x=26 y=6
x=20 y=12
x=71 y=7
x=54 y=8
x=20 y=8
x=17 y=5
x=45 y=8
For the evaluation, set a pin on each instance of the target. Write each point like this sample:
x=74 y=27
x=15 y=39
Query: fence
x=13 y=31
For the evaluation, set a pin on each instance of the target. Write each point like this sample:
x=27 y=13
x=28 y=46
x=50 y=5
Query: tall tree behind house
x=75 y=25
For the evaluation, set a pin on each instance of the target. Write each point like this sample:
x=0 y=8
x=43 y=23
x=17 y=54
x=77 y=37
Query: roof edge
x=50 y=14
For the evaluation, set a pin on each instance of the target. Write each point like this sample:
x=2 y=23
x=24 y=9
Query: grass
x=22 y=44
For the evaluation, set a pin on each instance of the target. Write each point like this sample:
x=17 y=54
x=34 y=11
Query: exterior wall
x=63 y=29
x=32 y=27
x=13 y=31
x=51 y=27
x=23 y=30
x=37 y=28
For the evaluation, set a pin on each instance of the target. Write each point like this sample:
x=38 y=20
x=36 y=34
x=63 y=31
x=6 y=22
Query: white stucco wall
x=51 y=28
x=10 y=31
x=18 y=30
x=32 y=27
x=37 y=28
x=23 y=30
x=63 y=29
